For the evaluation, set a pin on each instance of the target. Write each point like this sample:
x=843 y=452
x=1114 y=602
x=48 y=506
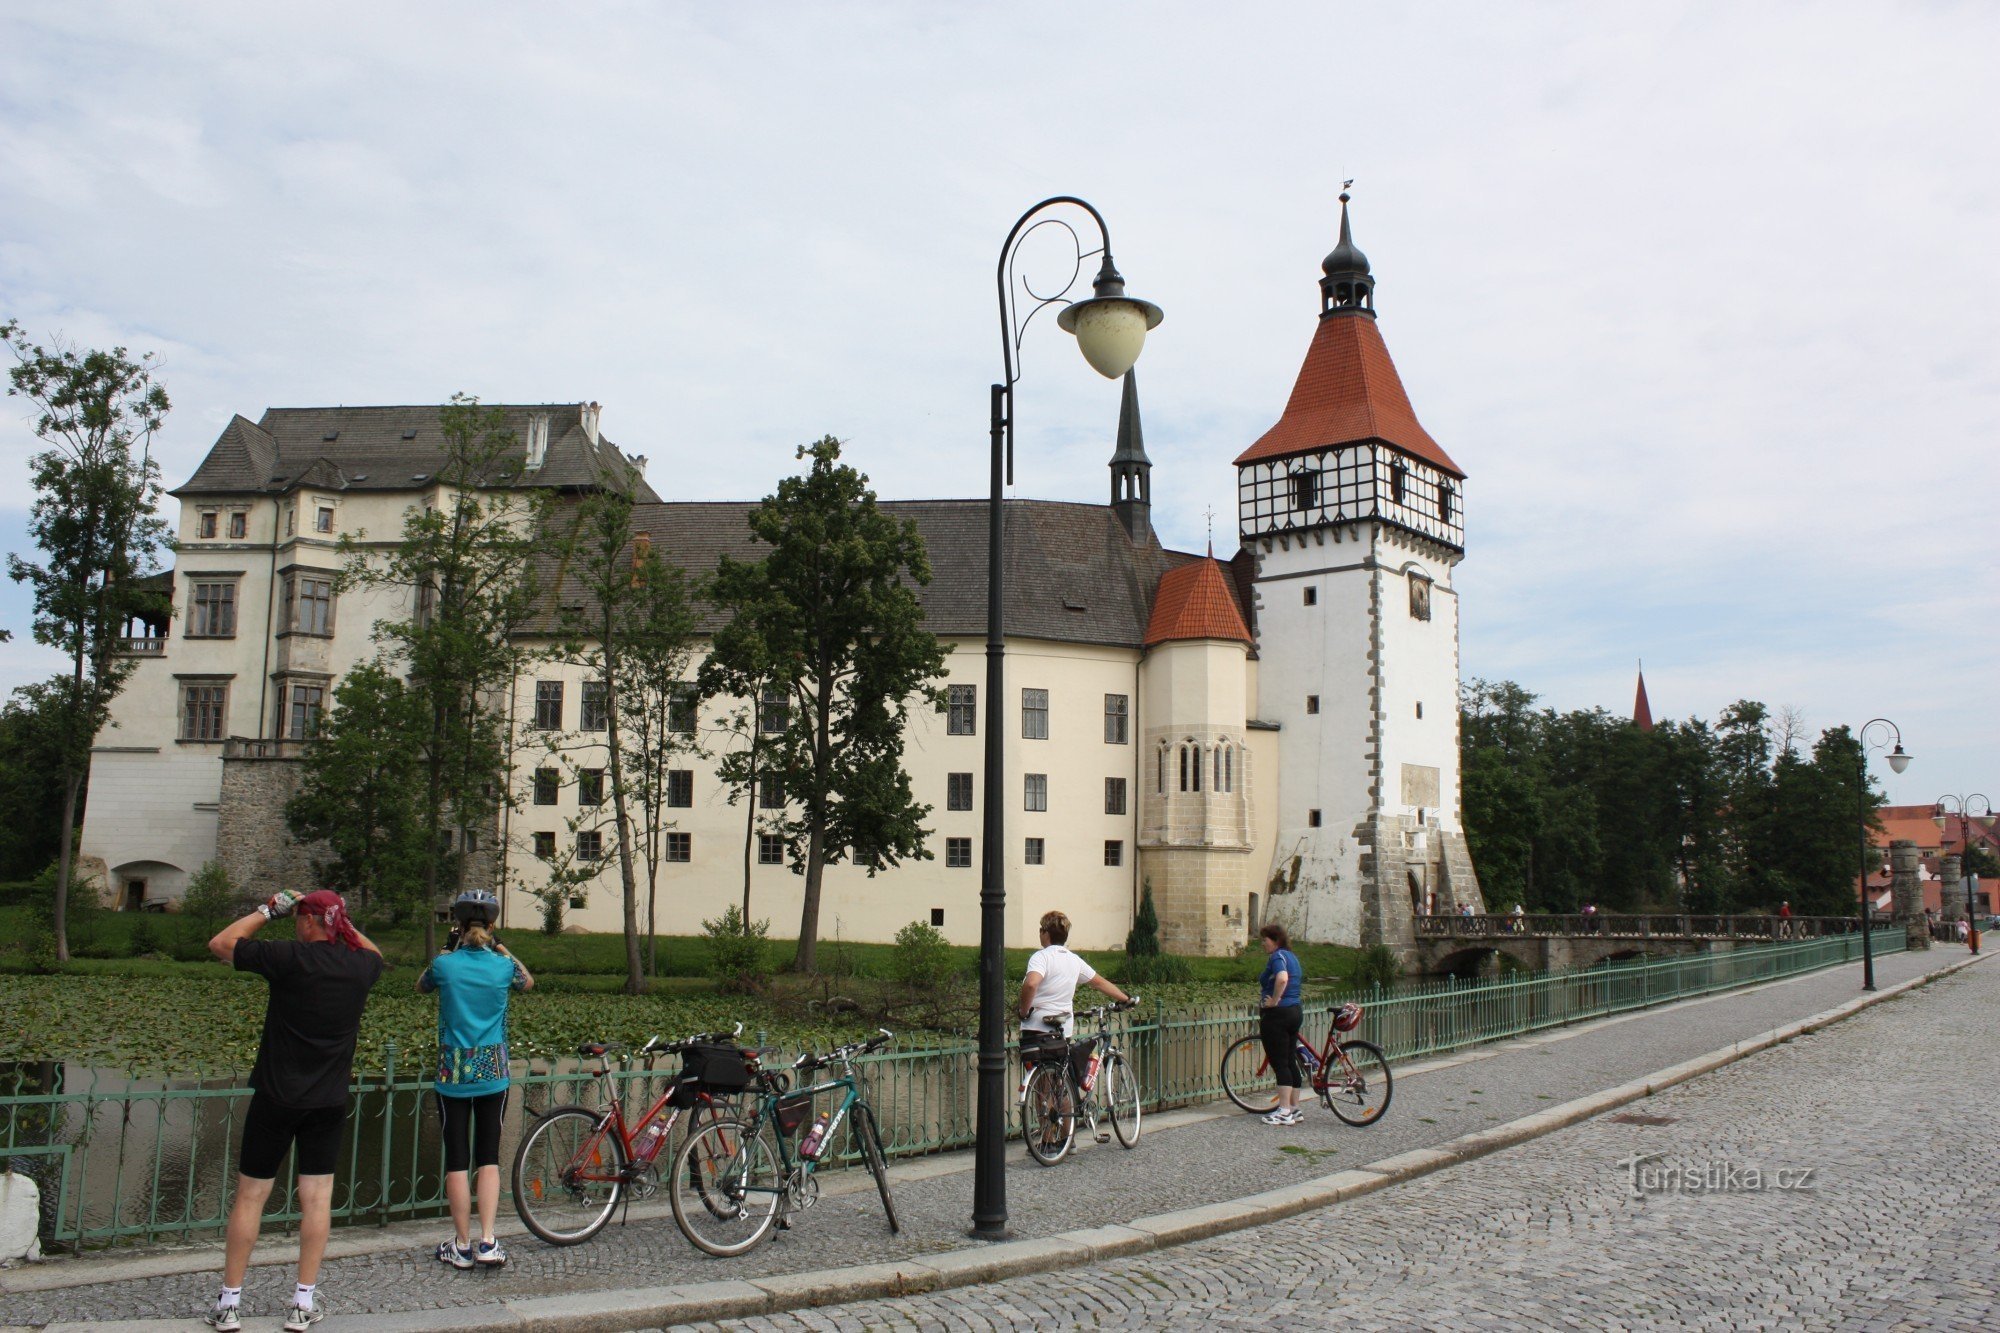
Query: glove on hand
x=280 y=904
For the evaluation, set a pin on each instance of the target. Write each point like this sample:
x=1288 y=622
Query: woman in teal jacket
x=473 y=979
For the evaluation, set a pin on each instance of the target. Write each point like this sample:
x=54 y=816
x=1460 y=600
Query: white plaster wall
x=1074 y=878
x=1419 y=665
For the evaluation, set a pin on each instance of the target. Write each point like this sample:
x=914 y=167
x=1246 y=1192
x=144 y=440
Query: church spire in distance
x=1642 y=709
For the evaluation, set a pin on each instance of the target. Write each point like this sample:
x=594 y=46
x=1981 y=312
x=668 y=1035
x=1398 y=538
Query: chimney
x=538 y=441
x=639 y=462
x=590 y=411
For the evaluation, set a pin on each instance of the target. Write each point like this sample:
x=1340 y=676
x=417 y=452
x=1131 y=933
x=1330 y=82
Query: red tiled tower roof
x=1348 y=391
x=1642 y=710
x=1194 y=601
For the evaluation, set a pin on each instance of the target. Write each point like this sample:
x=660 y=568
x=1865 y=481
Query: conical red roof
x=1642 y=709
x=1194 y=601
x=1347 y=391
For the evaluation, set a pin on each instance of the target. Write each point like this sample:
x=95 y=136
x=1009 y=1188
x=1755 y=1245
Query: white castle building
x=1271 y=737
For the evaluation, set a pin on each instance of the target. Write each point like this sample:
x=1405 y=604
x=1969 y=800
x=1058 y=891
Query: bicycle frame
x=613 y=1121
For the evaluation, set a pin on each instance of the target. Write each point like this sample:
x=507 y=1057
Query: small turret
x=1347 y=288
x=1131 y=470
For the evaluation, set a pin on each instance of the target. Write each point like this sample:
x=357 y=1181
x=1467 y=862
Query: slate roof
x=1347 y=391
x=386 y=449
x=1073 y=574
x=1196 y=601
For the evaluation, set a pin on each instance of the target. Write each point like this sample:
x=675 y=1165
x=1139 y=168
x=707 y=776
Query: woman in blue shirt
x=473 y=979
x=1279 y=1021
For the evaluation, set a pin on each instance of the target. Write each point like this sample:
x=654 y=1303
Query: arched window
x=1225 y=767
x=1160 y=769
x=1191 y=758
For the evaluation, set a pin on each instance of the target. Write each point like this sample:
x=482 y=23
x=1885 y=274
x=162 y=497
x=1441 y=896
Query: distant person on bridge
x=319 y=983
x=472 y=979
x=1785 y=920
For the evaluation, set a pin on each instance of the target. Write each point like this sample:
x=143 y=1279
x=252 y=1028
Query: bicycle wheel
x=1121 y=1098
x=1246 y=1076
x=1358 y=1087
x=569 y=1173
x=728 y=1184
x=870 y=1136
x=1048 y=1113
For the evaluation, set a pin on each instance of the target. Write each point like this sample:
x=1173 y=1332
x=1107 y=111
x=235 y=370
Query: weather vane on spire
x=1345 y=186
x=1209 y=513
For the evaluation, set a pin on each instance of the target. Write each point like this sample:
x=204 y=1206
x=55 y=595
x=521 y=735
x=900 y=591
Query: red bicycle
x=1351 y=1076
x=576 y=1164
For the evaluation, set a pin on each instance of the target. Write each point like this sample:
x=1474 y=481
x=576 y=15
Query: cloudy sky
x=1702 y=296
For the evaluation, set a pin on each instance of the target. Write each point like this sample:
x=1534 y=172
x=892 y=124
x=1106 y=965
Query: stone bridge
x=1544 y=941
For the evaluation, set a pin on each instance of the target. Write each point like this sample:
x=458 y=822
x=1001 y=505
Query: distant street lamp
x=1898 y=760
x=1110 y=329
x=1966 y=813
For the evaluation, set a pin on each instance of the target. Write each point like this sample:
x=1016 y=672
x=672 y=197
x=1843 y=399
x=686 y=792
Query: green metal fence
x=122 y=1158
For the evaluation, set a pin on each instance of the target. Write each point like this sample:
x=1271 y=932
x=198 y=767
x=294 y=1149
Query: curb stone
x=656 y=1307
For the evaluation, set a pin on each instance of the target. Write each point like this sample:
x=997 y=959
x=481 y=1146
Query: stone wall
x=251 y=839
x=1907 y=892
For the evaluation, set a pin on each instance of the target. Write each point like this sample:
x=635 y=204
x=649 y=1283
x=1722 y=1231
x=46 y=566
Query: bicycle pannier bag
x=685 y=1092
x=720 y=1068
x=794 y=1111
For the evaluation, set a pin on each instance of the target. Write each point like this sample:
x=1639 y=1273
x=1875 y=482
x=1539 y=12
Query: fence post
x=388 y=1130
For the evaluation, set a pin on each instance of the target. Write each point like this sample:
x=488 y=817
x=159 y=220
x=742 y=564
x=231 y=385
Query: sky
x=1701 y=296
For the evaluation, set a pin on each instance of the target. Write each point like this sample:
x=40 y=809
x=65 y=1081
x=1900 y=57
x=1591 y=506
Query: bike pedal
x=1103 y=1136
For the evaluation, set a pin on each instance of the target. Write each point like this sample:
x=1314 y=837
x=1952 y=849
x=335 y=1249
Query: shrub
x=144 y=939
x=738 y=956
x=210 y=903
x=552 y=913
x=1143 y=940
x=1377 y=966
x=1156 y=969
x=923 y=959
x=85 y=909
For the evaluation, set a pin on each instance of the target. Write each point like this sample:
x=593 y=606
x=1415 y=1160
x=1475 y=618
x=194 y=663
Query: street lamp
x=1110 y=329
x=1966 y=813
x=1898 y=760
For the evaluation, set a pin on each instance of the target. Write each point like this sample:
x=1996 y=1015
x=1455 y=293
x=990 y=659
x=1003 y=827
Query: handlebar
x=844 y=1054
x=654 y=1046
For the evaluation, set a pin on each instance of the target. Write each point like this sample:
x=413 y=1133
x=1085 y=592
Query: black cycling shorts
x=471 y=1118
x=270 y=1129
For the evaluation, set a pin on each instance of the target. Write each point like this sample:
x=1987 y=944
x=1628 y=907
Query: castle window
x=958 y=853
x=548 y=705
x=596 y=717
x=774 y=711
x=590 y=786
x=1114 y=852
x=680 y=847
x=204 y=706
x=323 y=519
x=1420 y=709
x=1312 y=703
x=590 y=846
x=205 y=525
x=1445 y=497
x=545 y=846
x=1160 y=770
x=306 y=703
x=770 y=849
x=1034 y=853
x=770 y=791
x=1114 y=796
x=1399 y=478
x=547 y=783
x=307 y=605
x=1305 y=489
x=681 y=710
x=1035 y=715
x=1312 y=596
x=214 y=611
x=1190 y=766
x=1420 y=596
x=1225 y=768
x=1035 y=791
x=239 y=524
x=958 y=791
x=962 y=715
x=680 y=787
x=1312 y=819
x=1117 y=716
x=937 y=916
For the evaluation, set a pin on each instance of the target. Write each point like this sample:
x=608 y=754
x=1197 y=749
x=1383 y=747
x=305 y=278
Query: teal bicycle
x=737 y=1180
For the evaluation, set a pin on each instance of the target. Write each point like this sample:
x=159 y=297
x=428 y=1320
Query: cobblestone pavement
x=1215 y=1160
x=1864 y=1213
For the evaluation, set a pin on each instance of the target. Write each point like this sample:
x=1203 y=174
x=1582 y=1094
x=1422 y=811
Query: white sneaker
x=1278 y=1117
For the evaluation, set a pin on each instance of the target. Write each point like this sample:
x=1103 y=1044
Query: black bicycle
x=1061 y=1080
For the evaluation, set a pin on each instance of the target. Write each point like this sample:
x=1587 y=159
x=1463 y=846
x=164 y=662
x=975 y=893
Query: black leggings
x=476 y=1119
x=1279 y=1029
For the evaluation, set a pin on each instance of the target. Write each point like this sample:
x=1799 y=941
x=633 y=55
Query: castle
x=1271 y=737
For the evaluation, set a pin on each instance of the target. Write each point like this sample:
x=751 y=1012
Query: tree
x=31 y=727
x=632 y=631
x=468 y=559
x=209 y=904
x=95 y=489
x=829 y=618
x=358 y=793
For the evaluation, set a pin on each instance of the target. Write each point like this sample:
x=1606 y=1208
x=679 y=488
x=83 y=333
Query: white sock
x=302 y=1295
x=229 y=1298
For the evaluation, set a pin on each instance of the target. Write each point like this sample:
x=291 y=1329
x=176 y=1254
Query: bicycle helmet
x=475 y=905
x=1347 y=1018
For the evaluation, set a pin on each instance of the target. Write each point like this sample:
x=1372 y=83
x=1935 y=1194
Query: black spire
x=1131 y=470
x=1347 y=287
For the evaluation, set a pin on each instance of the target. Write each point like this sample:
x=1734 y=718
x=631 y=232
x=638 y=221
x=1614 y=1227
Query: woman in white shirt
x=1048 y=992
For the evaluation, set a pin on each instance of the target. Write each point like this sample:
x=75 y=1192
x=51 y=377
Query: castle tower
x=1354 y=517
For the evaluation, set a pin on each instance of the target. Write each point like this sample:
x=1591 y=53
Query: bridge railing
x=1633 y=925
x=123 y=1157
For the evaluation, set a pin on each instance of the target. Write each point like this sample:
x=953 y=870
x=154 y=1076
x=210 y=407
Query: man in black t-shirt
x=319 y=984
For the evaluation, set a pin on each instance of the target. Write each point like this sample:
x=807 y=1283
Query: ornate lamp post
x=1966 y=812
x=1898 y=760
x=1110 y=329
